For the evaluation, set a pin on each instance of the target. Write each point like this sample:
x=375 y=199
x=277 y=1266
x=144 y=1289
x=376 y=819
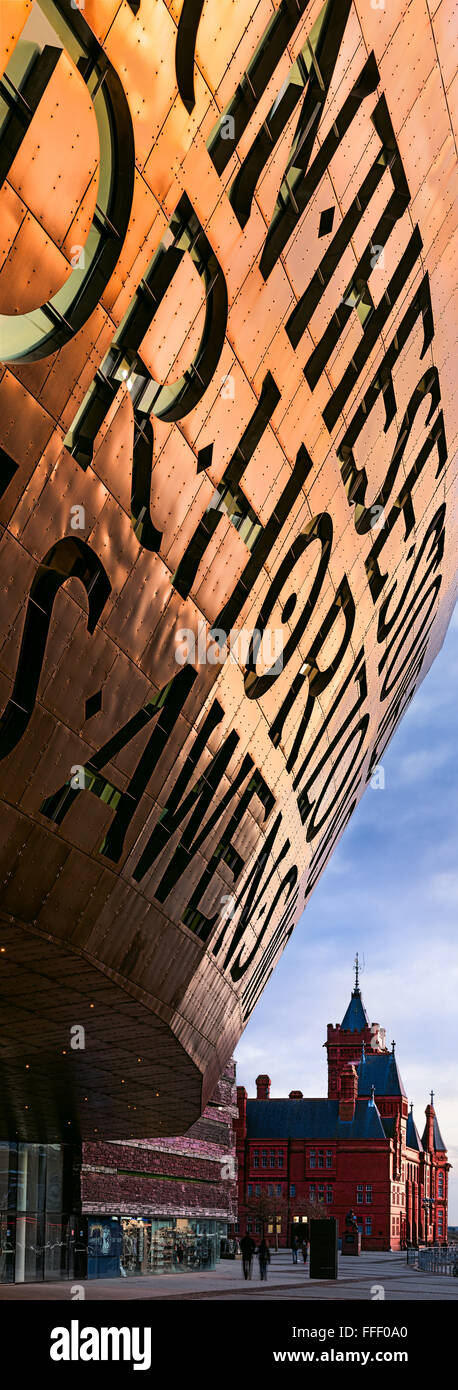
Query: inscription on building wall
x=226 y=412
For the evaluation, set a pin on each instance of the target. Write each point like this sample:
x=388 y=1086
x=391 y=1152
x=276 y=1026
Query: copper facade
x=228 y=298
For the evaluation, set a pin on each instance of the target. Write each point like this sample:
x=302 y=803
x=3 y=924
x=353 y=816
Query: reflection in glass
x=168 y=1245
x=4 y=1176
x=54 y=1177
x=7 y=1248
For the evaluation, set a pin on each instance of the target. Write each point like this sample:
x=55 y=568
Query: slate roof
x=356 y=1016
x=311 y=1119
x=382 y=1071
x=413 y=1140
x=437 y=1137
x=389 y=1125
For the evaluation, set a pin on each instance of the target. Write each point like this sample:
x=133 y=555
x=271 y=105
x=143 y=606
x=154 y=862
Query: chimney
x=348 y=1092
x=241 y=1103
x=296 y=1095
x=428 y=1141
x=263 y=1085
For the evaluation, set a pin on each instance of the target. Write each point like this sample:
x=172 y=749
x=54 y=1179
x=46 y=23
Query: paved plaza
x=359 y=1279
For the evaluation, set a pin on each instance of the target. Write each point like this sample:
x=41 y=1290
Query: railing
x=438 y=1259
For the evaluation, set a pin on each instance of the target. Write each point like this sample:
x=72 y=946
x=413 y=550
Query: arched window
x=440 y=1184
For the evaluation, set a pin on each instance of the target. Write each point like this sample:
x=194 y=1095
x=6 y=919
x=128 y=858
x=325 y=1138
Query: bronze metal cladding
x=227 y=477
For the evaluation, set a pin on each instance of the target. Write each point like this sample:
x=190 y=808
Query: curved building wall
x=227 y=479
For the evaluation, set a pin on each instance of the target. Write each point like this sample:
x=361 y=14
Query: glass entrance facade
x=37 y=1231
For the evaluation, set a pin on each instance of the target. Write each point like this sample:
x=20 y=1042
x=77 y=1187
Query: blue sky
x=390 y=892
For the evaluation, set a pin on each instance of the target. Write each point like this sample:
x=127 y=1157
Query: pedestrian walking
x=295 y=1248
x=247 y=1247
x=264 y=1258
x=304 y=1251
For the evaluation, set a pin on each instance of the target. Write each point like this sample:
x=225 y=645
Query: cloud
x=417 y=766
x=445 y=887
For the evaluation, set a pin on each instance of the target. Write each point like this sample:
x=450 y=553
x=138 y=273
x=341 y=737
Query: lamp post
x=427 y=1205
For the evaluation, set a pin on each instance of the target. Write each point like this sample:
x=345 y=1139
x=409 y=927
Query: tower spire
x=355 y=1017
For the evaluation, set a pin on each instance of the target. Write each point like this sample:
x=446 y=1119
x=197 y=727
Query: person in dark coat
x=248 y=1248
x=264 y=1258
x=304 y=1251
x=295 y=1247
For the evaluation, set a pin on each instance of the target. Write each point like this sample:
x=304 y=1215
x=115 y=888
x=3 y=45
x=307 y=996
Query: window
x=270 y=1190
x=321 y=1158
x=257 y=1227
x=292 y=1189
x=250 y=1189
x=328 y=1158
x=359 y=1193
x=329 y=1195
x=320 y=1192
x=312 y=1158
x=279 y=1189
x=368 y=1225
x=255 y=1158
x=249 y=1227
x=312 y=1192
x=272 y=1158
x=440 y=1184
x=264 y=1158
x=279 y=1225
x=270 y=1229
x=440 y=1224
x=280 y=1158
x=257 y=1190
x=368 y=1192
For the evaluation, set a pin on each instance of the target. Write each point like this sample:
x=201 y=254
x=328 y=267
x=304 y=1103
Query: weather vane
x=356 y=971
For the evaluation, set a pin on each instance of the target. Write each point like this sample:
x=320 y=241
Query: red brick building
x=358 y=1148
